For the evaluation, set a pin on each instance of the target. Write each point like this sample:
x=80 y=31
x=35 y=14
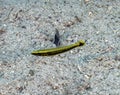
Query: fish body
x=54 y=51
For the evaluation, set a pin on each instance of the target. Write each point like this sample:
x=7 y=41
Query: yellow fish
x=54 y=51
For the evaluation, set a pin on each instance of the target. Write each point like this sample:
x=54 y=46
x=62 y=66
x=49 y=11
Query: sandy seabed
x=28 y=25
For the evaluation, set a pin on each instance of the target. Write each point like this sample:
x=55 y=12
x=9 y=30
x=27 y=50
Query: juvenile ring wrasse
x=54 y=51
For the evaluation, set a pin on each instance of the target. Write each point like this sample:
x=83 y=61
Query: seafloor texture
x=27 y=25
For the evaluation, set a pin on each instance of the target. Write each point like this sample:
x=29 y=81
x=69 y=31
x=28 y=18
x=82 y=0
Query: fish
x=58 y=50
